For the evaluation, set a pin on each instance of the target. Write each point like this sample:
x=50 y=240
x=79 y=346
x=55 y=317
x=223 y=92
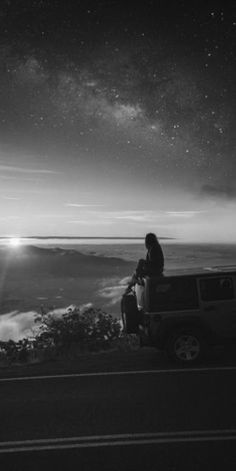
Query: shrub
x=88 y=330
x=74 y=332
x=14 y=352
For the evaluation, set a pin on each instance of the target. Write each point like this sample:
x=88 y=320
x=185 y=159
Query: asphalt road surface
x=137 y=415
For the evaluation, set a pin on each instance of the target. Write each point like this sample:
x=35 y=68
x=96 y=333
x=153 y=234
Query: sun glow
x=15 y=242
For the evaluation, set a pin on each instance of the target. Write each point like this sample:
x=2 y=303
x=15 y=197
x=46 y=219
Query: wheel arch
x=182 y=324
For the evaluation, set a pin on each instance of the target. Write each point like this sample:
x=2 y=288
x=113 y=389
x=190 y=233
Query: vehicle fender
x=169 y=326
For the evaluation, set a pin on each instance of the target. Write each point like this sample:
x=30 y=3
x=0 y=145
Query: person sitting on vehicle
x=152 y=266
x=154 y=263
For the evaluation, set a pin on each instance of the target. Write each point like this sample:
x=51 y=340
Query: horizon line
x=82 y=237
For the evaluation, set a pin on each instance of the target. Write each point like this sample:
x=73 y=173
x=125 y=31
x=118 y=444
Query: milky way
x=140 y=96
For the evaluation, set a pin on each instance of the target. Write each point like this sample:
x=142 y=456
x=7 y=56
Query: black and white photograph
x=117 y=235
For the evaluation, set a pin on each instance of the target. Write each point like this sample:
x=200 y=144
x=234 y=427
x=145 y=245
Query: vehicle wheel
x=186 y=346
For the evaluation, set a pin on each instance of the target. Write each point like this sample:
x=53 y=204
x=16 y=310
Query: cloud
x=51 y=216
x=16 y=178
x=81 y=205
x=151 y=216
x=219 y=191
x=135 y=216
x=15 y=325
x=184 y=214
x=89 y=222
x=115 y=218
x=147 y=217
x=13 y=198
x=104 y=217
x=9 y=168
x=114 y=292
x=11 y=218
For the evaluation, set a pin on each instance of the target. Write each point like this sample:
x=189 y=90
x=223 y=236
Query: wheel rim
x=187 y=347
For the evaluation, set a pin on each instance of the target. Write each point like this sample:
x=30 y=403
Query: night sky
x=117 y=119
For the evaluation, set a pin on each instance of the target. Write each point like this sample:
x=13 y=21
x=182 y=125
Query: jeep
x=185 y=312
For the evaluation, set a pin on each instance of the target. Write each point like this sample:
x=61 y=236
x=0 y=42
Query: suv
x=184 y=313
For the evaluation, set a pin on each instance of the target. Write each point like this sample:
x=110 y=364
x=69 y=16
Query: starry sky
x=117 y=119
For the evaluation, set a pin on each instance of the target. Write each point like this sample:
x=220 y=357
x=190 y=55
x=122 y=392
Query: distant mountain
x=56 y=261
x=32 y=275
x=32 y=250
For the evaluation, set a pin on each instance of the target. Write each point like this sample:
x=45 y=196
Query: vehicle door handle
x=210 y=308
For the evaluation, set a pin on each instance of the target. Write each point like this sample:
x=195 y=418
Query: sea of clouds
x=17 y=325
x=113 y=293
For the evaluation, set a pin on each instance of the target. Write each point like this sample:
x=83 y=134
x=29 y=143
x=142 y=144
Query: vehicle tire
x=186 y=346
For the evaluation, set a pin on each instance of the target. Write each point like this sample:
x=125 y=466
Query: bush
x=88 y=330
x=15 y=352
x=75 y=332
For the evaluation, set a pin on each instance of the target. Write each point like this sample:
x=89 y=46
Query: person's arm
x=131 y=283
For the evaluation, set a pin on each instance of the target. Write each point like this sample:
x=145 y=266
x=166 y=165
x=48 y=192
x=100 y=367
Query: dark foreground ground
x=120 y=411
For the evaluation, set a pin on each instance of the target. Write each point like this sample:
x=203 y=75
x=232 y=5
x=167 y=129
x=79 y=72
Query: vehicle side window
x=216 y=289
x=174 y=294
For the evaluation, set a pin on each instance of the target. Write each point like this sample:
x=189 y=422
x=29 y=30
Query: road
x=149 y=418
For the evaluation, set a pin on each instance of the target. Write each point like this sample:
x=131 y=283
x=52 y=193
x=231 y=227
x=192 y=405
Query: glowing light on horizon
x=15 y=242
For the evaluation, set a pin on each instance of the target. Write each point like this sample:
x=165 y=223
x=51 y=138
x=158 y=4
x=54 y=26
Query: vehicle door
x=218 y=303
x=173 y=301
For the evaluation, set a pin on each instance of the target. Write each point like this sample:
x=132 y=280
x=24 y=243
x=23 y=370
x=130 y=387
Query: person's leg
x=139 y=291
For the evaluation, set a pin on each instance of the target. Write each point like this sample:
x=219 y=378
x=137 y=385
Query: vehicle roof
x=200 y=271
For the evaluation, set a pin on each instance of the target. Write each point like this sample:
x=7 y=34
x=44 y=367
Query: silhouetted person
x=152 y=266
x=154 y=263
